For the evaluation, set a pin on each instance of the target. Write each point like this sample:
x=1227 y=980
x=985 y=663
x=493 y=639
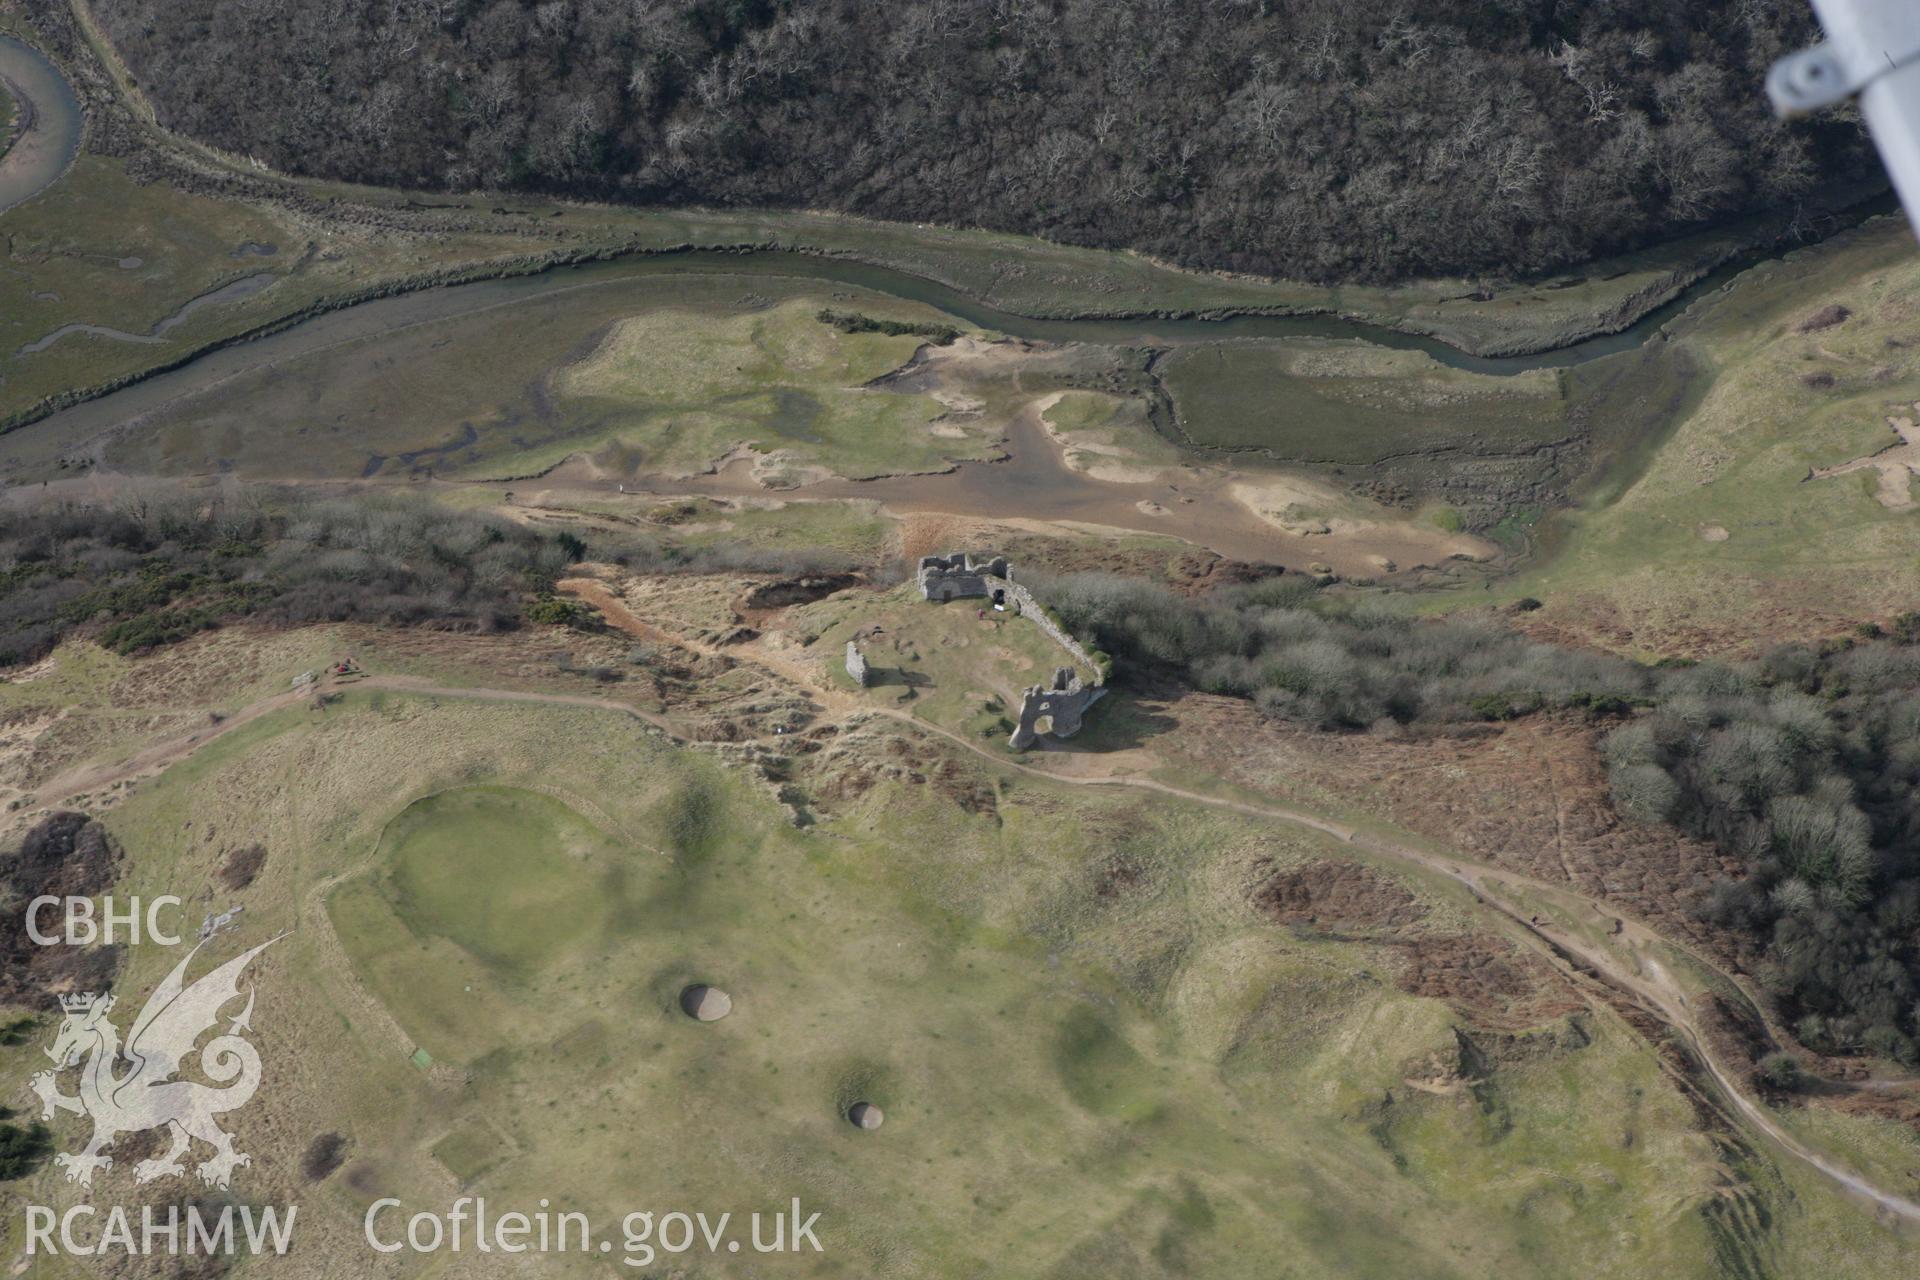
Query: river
x=54 y=123
x=53 y=138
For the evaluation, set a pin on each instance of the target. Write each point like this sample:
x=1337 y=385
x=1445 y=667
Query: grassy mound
x=1183 y=1086
x=692 y=387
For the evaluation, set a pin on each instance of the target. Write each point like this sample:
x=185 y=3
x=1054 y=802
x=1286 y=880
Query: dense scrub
x=1805 y=765
x=22 y=1148
x=1323 y=139
x=65 y=854
x=154 y=569
x=1274 y=642
x=854 y=322
x=143 y=573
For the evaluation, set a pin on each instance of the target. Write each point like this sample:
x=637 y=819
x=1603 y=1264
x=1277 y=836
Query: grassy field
x=1351 y=404
x=782 y=380
x=1712 y=534
x=479 y=898
x=854 y=529
x=507 y=877
x=1888 y=1153
x=1077 y=1082
x=668 y=373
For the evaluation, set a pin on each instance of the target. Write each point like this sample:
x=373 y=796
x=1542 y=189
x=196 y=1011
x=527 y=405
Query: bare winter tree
x=1326 y=139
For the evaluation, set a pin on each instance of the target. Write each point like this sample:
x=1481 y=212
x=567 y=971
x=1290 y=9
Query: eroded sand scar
x=1345 y=531
x=1896 y=464
x=1097 y=458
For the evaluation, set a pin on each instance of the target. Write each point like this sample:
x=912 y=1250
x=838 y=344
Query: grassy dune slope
x=1082 y=1076
x=1720 y=537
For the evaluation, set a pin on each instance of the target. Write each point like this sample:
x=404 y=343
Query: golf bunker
x=703 y=1003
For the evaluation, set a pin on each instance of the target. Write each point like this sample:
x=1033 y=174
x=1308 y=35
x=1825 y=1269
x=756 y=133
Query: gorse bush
x=161 y=565
x=149 y=571
x=1281 y=644
x=553 y=610
x=22 y=1148
x=1781 y=1071
x=1804 y=765
x=855 y=322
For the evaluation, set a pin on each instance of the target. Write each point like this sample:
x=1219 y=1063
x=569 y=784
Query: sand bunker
x=864 y=1115
x=703 y=1003
x=958 y=402
x=1286 y=503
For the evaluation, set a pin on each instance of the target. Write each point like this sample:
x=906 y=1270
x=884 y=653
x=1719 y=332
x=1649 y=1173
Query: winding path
x=1639 y=978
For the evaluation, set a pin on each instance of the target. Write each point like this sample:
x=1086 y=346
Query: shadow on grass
x=1121 y=721
x=879 y=677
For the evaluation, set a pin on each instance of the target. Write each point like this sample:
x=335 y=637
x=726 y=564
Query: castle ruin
x=1054 y=710
x=959 y=576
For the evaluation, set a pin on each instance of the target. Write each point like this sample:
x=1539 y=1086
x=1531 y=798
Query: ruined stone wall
x=857 y=665
x=1035 y=612
x=1057 y=710
x=960 y=577
x=1061 y=706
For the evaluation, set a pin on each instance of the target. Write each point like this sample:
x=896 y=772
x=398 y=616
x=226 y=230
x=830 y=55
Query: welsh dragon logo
x=133 y=1088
